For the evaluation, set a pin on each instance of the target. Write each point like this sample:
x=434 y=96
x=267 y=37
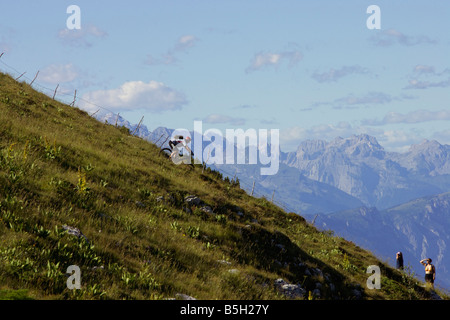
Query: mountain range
x=384 y=201
x=360 y=166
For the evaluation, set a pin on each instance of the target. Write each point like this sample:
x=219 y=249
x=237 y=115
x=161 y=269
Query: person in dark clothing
x=399 y=258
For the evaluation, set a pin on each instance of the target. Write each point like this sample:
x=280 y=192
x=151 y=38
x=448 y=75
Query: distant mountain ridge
x=360 y=166
x=429 y=157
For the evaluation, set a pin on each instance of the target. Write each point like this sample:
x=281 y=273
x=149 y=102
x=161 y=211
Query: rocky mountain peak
x=426 y=146
x=362 y=145
x=428 y=157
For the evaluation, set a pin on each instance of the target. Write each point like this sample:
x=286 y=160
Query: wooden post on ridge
x=164 y=141
x=156 y=143
x=204 y=163
x=95 y=112
x=54 y=93
x=34 y=78
x=20 y=76
x=138 y=126
x=314 y=220
x=74 y=98
x=253 y=188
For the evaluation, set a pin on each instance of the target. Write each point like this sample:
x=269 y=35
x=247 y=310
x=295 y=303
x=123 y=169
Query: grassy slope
x=58 y=166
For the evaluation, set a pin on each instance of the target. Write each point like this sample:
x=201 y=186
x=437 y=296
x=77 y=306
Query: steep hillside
x=75 y=191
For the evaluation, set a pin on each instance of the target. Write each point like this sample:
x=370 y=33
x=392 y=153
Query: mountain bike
x=178 y=158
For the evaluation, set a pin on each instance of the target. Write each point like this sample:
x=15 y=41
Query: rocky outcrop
x=75 y=232
x=291 y=291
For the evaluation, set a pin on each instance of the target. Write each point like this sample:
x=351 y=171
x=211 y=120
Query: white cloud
x=182 y=45
x=245 y=106
x=417 y=84
x=262 y=59
x=265 y=59
x=58 y=73
x=83 y=37
x=398 y=140
x=423 y=69
x=442 y=136
x=416 y=116
x=370 y=98
x=165 y=59
x=293 y=136
x=152 y=96
x=335 y=74
x=390 y=37
x=185 y=42
x=219 y=118
x=432 y=79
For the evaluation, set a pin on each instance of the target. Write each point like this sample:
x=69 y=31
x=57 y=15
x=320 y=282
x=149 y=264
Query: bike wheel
x=165 y=152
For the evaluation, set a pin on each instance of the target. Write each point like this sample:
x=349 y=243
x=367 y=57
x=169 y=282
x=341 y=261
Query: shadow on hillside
x=275 y=252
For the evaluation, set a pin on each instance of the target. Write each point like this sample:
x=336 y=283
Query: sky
x=312 y=69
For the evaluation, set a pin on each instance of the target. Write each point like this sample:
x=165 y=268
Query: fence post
x=34 y=78
x=20 y=76
x=164 y=141
x=156 y=143
x=54 y=93
x=272 y=196
x=204 y=163
x=95 y=112
x=253 y=188
x=74 y=98
x=138 y=126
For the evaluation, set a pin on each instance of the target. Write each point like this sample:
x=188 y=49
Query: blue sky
x=309 y=68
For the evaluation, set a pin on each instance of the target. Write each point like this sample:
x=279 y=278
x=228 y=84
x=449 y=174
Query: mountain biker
x=179 y=142
x=430 y=271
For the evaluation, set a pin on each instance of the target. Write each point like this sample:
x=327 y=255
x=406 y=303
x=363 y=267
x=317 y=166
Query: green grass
x=14 y=295
x=58 y=166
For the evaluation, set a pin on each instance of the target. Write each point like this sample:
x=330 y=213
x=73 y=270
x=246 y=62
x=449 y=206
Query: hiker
x=399 y=258
x=430 y=272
